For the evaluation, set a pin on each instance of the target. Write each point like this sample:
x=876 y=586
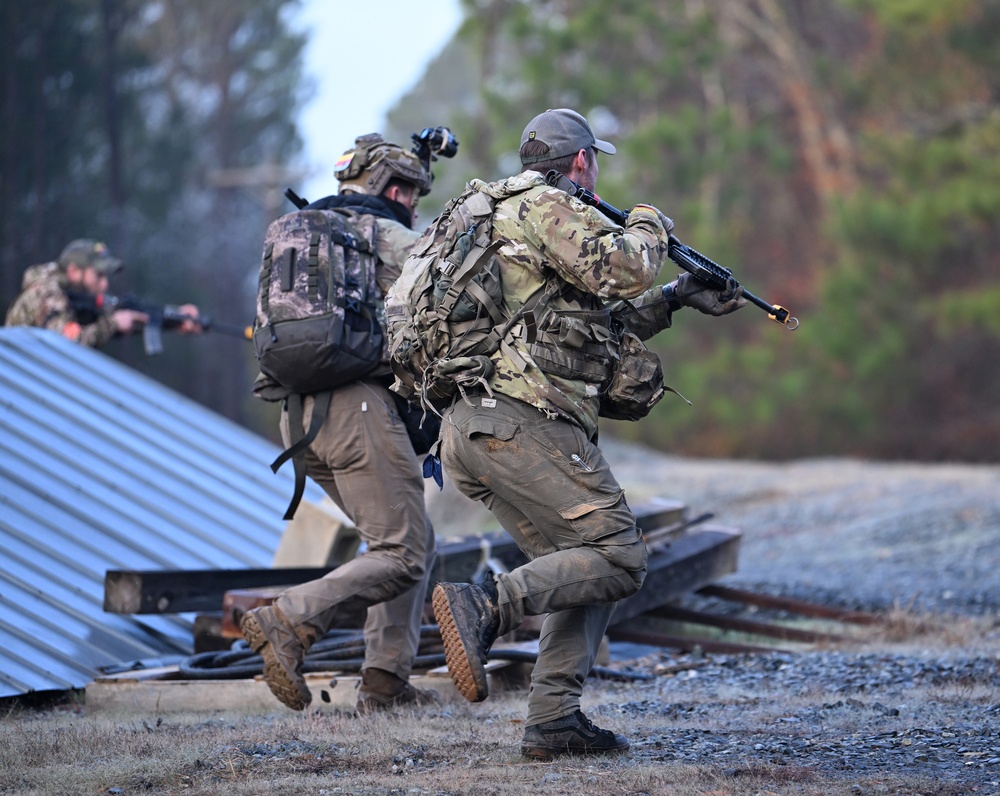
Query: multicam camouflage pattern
x=320 y=314
x=553 y=237
x=436 y=345
x=43 y=302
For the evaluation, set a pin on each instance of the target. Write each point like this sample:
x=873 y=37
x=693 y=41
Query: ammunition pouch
x=575 y=345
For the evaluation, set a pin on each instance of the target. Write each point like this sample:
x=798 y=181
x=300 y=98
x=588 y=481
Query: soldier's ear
x=579 y=165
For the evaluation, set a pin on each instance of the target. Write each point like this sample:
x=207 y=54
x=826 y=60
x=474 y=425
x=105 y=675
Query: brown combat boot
x=468 y=617
x=381 y=690
x=283 y=648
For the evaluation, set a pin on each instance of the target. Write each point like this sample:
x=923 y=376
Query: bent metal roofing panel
x=103 y=468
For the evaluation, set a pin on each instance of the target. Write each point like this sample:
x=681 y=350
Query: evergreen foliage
x=842 y=157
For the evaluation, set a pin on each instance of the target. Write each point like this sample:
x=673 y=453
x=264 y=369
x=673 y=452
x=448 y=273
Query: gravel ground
x=920 y=704
x=869 y=534
x=865 y=534
x=848 y=715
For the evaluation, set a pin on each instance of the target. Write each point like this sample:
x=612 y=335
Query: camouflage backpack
x=317 y=304
x=317 y=325
x=445 y=313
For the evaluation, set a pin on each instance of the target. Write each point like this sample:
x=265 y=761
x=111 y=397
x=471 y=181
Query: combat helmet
x=368 y=167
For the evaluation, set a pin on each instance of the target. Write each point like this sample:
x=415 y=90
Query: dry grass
x=459 y=748
x=904 y=629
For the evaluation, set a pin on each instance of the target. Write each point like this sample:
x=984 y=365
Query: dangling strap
x=300 y=441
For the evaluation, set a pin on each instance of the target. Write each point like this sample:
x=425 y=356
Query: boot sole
x=546 y=753
x=290 y=693
x=466 y=671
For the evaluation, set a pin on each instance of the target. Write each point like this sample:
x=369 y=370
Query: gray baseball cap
x=90 y=254
x=565 y=131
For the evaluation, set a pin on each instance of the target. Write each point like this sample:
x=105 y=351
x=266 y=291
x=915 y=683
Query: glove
x=667 y=221
x=693 y=293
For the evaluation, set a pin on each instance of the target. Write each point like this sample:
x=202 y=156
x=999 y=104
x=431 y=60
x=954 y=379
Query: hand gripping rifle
x=703 y=269
x=88 y=307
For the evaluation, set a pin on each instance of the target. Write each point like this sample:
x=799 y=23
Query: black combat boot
x=468 y=617
x=574 y=734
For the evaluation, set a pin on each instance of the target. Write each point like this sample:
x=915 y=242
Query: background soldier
x=364 y=460
x=65 y=296
x=526 y=446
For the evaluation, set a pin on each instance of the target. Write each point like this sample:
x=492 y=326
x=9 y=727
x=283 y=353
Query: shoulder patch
x=343 y=162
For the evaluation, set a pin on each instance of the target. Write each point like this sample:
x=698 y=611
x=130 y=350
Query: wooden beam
x=741 y=625
x=792 y=605
x=686 y=564
x=179 y=591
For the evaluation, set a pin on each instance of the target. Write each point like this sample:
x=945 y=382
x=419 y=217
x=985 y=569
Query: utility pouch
x=637 y=383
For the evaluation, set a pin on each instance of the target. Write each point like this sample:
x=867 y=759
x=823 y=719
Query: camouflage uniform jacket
x=595 y=265
x=44 y=302
x=392 y=240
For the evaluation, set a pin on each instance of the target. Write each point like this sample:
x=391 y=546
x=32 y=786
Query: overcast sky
x=363 y=57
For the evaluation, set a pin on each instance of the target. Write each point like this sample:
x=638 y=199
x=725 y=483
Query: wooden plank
x=741 y=625
x=180 y=591
x=659 y=513
x=792 y=605
x=330 y=692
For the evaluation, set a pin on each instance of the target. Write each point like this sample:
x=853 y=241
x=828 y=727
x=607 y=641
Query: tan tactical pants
x=364 y=461
x=551 y=489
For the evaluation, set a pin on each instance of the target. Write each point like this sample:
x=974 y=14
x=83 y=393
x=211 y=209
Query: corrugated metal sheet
x=103 y=468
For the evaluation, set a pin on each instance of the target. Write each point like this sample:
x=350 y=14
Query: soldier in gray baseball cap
x=524 y=442
x=565 y=132
x=87 y=253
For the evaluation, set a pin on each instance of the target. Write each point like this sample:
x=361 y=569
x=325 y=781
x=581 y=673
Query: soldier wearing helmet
x=363 y=457
x=374 y=163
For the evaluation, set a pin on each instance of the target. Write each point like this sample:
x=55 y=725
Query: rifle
x=88 y=307
x=703 y=269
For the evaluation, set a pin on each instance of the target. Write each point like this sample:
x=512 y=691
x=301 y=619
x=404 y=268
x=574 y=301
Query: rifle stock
x=691 y=260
